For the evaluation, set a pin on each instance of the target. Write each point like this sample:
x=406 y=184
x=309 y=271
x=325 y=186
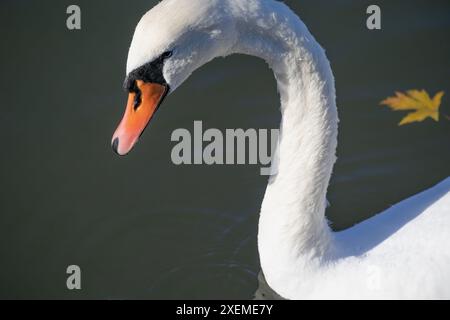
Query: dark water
x=141 y=227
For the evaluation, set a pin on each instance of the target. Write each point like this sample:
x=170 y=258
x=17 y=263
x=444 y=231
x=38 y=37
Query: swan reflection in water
x=264 y=291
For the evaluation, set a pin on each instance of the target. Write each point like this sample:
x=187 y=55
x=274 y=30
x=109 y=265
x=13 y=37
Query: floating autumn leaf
x=417 y=100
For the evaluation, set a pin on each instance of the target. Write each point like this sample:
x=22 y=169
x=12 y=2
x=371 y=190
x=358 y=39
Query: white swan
x=402 y=253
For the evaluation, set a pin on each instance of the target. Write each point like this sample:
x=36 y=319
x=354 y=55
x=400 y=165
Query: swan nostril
x=115 y=145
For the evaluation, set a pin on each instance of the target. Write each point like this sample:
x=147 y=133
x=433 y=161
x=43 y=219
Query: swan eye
x=166 y=55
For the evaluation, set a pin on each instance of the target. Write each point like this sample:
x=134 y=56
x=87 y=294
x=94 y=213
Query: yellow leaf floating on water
x=417 y=100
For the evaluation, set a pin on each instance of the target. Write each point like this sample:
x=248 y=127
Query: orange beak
x=140 y=109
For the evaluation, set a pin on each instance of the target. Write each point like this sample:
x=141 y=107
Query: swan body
x=403 y=252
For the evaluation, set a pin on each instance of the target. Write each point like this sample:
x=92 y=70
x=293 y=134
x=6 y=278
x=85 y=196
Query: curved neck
x=293 y=232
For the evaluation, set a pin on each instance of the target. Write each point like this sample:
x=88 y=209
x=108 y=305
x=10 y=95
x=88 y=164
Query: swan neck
x=293 y=231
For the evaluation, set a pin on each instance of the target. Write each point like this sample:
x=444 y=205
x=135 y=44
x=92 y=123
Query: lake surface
x=141 y=227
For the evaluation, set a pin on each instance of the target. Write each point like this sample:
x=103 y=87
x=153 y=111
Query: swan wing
x=403 y=252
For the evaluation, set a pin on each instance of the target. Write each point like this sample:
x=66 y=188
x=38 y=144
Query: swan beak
x=141 y=107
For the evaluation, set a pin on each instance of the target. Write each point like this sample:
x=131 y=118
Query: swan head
x=171 y=41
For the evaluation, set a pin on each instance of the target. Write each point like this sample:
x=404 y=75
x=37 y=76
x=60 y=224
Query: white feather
x=401 y=253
